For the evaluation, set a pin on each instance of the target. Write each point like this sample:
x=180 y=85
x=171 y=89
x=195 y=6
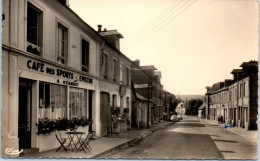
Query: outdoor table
x=72 y=134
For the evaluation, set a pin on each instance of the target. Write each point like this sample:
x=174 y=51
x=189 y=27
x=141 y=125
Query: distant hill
x=189 y=97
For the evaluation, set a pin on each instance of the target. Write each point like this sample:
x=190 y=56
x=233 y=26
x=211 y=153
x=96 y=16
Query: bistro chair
x=84 y=142
x=61 y=140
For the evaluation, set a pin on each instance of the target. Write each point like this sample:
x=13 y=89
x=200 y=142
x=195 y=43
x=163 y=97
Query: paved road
x=191 y=139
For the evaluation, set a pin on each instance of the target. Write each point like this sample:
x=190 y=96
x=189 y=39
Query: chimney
x=250 y=67
x=208 y=88
x=236 y=73
x=99 y=28
x=137 y=62
x=64 y=2
x=227 y=81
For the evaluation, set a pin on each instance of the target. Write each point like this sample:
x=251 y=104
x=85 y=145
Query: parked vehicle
x=179 y=116
x=174 y=118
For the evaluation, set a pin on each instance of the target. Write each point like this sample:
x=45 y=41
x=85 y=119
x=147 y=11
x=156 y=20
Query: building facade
x=55 y=66
x=167 y=104
x=235 y=101
x=114 y=84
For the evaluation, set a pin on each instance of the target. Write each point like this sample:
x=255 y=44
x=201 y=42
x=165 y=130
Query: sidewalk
x=251 y=135
x=103 y=145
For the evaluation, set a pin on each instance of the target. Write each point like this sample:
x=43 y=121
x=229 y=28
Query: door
x=235 y=116
x=24 y=116
x=104 y=106
x=90 y=108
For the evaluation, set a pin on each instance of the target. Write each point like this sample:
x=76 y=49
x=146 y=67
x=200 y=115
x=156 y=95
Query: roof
x=111 y=32
x=93 y=31
x=250 y=63
x=214 y=88
x=237 y=71
x=202 y=106
x=148 y=67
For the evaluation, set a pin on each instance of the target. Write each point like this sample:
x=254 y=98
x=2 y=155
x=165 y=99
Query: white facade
x=56 y=66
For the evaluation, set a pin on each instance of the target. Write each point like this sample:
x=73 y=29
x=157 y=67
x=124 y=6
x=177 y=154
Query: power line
x=164 y=24
x=165 y=17
x=154 y=20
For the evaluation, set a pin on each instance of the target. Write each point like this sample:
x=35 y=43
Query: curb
x=228 y=129
x=130 y=143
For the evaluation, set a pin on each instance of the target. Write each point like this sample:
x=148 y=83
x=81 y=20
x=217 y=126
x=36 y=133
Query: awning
x=202 y=106
x=141 y=97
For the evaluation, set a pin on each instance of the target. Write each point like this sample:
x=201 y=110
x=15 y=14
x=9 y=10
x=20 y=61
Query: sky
x=194 y=43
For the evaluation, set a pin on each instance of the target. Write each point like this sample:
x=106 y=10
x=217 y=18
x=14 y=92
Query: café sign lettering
x=40 y=67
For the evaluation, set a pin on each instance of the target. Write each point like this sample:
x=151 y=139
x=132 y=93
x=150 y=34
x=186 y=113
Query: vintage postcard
x=130 y=79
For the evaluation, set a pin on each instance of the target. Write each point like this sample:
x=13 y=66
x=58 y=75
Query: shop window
x=52 y=101
x=62 y=44
x=34 y=30
x=85 y=56
x=77 y=103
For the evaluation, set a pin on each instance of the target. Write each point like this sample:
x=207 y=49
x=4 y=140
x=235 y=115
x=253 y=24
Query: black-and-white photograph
x=130 y=79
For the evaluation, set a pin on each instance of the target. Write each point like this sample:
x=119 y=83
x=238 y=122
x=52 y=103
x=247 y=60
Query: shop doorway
x=104 y=106
x=24 y=114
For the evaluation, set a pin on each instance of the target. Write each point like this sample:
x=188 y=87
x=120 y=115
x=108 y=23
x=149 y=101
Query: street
x=191 y=139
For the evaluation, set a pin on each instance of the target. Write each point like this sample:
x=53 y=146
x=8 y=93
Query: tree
x=192 y=106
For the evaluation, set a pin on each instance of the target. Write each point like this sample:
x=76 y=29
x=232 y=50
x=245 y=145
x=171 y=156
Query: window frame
x=114 y=69
x=40 y=26
x=66 y=44
x=127 y=76
x=87 y=61
x=121 y=74
x=105 y=65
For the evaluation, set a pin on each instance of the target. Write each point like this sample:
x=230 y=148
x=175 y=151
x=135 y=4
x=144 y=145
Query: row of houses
x=234 y=101
x=55 y=66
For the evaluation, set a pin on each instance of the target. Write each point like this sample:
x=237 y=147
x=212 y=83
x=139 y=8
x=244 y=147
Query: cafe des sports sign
x=64 y=76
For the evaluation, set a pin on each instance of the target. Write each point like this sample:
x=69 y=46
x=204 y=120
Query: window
x=105 y=66
x=34 y=30
x=114 y=101
x=77 y=102
x=121 y=73
x=240 y=91
x=85 y=56
x=62 y=44
x=235 y=94
x=114 y=69
x=244 y=90
x=52 y=101
x=127 y=76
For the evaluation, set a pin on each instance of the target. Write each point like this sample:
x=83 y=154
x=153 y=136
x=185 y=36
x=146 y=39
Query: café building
x=49 y=71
